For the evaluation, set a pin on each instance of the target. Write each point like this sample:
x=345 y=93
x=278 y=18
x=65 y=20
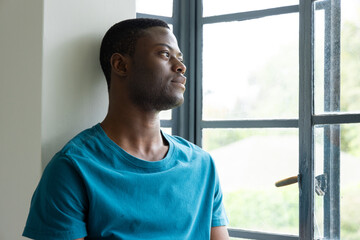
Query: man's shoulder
x=180 y=141
x=83 y=141
x=186 y=146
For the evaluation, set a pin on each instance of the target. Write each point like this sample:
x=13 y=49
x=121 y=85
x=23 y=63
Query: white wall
x=74 y=90
x=20 y=110
x=51 y=87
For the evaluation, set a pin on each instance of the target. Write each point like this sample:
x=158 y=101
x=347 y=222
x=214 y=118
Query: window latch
x=321 y=184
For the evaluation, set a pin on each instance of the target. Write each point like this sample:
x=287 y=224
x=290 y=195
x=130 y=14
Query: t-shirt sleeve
x=219 y=217
x=58 y=206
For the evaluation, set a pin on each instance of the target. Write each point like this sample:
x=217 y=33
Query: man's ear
x=119 y=64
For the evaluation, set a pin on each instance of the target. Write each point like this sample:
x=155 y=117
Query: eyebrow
x=180 y=54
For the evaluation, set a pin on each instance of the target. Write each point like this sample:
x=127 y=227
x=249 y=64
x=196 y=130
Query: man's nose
x=179 y=67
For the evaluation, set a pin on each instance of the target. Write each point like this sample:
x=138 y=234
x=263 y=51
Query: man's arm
x=80 y=239
x=219 y=233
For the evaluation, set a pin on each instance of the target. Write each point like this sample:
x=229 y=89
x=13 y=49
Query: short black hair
x=122 y=37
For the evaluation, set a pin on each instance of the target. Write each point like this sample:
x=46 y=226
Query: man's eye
x=165 y=53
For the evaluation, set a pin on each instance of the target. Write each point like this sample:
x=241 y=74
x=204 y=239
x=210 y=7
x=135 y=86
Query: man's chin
x=172 y=105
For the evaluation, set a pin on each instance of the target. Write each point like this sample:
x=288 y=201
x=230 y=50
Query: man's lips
x=181 y=80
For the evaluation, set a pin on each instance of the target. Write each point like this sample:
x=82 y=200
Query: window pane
x=165 y=115
x=340 y=143
x=350 y=52
x=215 y=7
x=250 y=69
x=167 y=130
x=319 y=63
x=155 y=7
x=249 y=162
x=346 y=89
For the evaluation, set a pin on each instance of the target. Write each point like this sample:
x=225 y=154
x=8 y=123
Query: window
x=273 y=91
x=336 y=124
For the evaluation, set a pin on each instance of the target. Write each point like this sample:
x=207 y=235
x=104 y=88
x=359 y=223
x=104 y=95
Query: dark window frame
x=187 y=120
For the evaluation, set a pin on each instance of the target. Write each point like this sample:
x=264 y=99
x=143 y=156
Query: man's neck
x=137 y=132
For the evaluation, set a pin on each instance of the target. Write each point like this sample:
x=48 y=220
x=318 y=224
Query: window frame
x=187 y=120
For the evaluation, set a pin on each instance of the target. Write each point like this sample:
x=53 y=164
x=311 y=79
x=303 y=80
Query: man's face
x=156 y=72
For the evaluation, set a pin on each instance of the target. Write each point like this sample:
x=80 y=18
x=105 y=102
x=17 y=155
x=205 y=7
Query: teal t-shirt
x=94 y=188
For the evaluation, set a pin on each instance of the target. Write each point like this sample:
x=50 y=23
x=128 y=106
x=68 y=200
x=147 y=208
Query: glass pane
x=319 y=170
x=337 y=66
x=249 y=162
x=319 y=37
x=167 y=130
x=215 y=7
x=165 y=115
x=155 y=7
x=337 y=149
x=350 y=52
x=253 y=72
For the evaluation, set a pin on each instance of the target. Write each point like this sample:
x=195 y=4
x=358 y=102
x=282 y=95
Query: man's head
x=143 y=65
x=122 y=38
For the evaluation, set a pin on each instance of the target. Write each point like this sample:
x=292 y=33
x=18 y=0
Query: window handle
x=287 y=181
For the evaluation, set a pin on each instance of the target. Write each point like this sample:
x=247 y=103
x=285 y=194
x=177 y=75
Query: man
x=124 y=178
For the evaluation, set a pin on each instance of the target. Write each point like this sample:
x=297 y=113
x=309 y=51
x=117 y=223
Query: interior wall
x=51 y=87
x=20 y=110
x=74 y=89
